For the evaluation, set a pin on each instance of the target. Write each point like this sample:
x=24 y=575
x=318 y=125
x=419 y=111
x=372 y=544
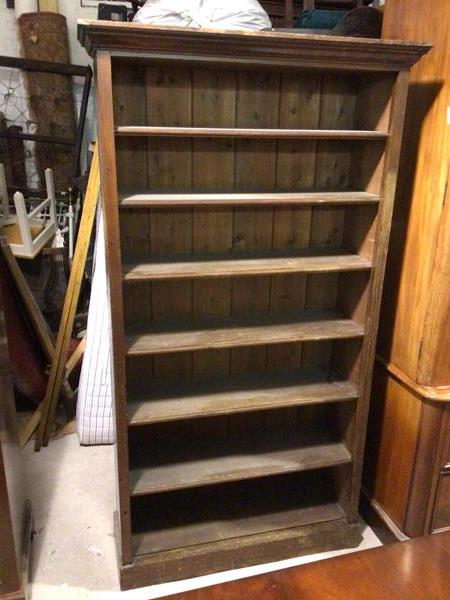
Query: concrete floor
x=73 y=496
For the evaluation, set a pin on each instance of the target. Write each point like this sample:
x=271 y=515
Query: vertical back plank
x=337 y=111
x=257 y=106
x=169 y=102
x=130 y=107
x=299 y=108
x=214 y=104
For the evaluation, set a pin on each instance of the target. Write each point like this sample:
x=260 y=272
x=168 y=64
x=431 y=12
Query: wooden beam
x=32 y=423
x=75 y=356
x=70 y=304
x=43 y=66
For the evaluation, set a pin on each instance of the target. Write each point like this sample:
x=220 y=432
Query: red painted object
x=27 y=361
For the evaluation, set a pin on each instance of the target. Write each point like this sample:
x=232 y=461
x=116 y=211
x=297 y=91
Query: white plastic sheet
x=95 y=424
x=212 y=14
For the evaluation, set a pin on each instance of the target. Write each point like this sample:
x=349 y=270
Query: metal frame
x=41 y=66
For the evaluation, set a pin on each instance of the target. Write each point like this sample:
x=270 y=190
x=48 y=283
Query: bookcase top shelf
x=267 y=48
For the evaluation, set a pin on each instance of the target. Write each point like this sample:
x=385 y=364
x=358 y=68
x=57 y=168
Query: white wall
x=71 y=9
x=8 y=37
x=9 y=46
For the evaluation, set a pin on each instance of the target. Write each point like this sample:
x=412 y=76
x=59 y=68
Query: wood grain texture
x=257 y=104
x=212 y=397
x=169 y=101
x=411 y=339
x=262 y=162
x=254 y=549
x=244 y=331
x=214 y=102
x=145 y=200
x=413 y=569
x=176 y=520
x=412 y=344
x=61 y=350
x=388 y=187
x=442 y=511
x=235 y=461
x=263 y=49
x=221 y=266
x=394 y=417
x=108 y=176
x=236 y=132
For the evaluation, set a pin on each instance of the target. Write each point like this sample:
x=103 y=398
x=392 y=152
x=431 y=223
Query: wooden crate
x=247 y=182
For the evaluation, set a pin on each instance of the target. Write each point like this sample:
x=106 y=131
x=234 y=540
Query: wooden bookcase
x=247 y=183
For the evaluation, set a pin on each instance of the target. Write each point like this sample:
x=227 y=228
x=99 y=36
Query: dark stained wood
x=15 y=135
x=168 y=470
x=413 y=569
x=442 y=511
x=42 y=66
x=174 y=522
x=374 y=521
x=150 y=543
x=253 y=188
x=325 y=533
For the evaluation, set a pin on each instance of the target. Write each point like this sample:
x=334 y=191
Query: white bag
x=217 y=14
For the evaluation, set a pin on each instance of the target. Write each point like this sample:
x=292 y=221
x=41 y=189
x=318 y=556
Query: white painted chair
x=28 y=233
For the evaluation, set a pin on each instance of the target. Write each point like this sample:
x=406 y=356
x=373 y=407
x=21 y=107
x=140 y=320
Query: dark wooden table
x=413 y=570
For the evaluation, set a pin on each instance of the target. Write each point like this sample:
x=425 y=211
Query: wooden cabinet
x=409 y=432
x=247 y=183
x=15 y=513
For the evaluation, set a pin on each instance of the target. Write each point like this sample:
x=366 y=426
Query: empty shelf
x=143 y=199
x=221 y=132
x=213 y=397
x=193 y=266
x=201 y=515
x=235 y=461
x=309 y=325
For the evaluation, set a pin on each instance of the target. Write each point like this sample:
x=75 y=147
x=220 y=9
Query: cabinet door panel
x=442 y=510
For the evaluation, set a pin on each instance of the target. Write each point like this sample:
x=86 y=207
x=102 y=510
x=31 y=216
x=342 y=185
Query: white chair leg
x=50 y=186
x=23 y=222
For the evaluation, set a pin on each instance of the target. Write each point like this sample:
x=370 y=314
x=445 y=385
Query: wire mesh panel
x=16 y=154
x=42 y=113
